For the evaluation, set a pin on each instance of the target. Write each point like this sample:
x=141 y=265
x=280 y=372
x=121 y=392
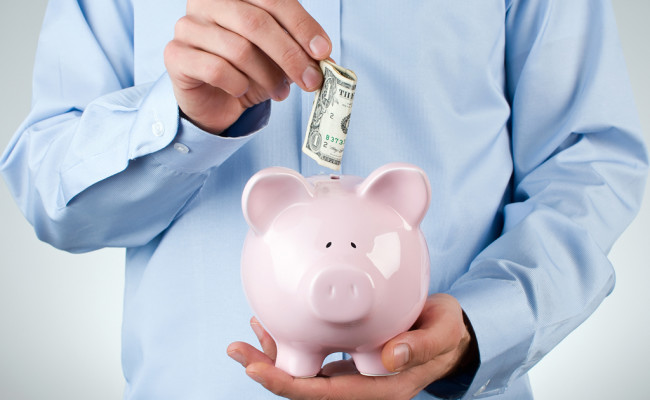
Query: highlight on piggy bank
x=335 y=263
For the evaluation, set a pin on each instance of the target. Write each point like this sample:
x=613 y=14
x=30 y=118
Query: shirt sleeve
x=579 y=169
x=100 y=162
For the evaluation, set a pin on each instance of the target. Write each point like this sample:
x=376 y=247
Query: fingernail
x=257 y=328
x=401 y=355
x=319 y=46
x=237 y=356
x=282 y=91
x=311 y=77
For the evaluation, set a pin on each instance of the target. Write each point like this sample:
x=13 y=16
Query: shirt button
x=181 y=148
x=158 y=129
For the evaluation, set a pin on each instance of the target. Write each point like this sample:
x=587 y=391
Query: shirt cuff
x=503 y=346
x=193 y=150
x=115 y=128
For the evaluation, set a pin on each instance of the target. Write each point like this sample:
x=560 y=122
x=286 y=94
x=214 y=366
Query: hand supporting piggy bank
x=335 y=263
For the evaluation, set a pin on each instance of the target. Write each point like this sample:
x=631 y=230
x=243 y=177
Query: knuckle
x=293 y=55
x=431 y=350
x=213 y=72
x=172 y=51
x=255 y=95
x=183 y=27
x=255 y=20
x=303 y=27
x=281 y=391
x=242 y=50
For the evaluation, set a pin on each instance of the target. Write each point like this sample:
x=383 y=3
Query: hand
x=434 y=348
x=228 y=55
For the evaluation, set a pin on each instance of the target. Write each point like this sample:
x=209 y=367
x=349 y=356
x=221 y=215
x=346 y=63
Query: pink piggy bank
x=335 y=263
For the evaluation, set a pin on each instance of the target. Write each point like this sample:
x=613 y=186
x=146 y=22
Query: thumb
x=439 y=330
x=413 y=348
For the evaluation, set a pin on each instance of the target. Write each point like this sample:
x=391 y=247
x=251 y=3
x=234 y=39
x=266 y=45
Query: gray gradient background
x=60 y=314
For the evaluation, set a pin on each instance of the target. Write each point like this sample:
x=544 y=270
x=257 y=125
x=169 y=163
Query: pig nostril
x=354 y=290
x=332 y=290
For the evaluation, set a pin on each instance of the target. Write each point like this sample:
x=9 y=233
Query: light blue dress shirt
x=520 y=112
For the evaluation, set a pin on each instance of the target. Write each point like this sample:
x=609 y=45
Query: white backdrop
x=60 y=314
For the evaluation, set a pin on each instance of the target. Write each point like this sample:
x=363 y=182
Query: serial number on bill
x=334 y=140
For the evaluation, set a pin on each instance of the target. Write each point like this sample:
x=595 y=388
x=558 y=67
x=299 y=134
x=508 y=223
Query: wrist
x=470 y=359
x=459 y=379
x=209 y=129
x=251 y=120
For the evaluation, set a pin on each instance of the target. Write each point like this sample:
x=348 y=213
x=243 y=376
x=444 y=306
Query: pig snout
x=341 y=295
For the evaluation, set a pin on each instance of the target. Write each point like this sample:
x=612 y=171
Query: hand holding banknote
x=229 y=55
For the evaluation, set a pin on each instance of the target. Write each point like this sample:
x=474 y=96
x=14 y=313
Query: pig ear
x=404 y=187
x=271 y=191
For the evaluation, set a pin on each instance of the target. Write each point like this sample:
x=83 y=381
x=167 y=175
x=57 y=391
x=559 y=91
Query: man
x=519 y=112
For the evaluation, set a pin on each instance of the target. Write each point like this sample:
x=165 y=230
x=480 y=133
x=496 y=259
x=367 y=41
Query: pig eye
x=354 y=246
x=328 y=245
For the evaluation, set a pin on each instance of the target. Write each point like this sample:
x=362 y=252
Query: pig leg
x=301 y=363
x=369 y=363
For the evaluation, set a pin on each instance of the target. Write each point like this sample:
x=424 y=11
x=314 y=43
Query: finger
x=415 y=348
x=259 y=27
x=301 y=26
x=190 y=68
x=357 y=387
x=266 y=341
x=246 y=354
x=239 y=52
x=438 y=331
x=283 y=384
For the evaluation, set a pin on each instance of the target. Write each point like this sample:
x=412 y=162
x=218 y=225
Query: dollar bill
x=330 y=116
